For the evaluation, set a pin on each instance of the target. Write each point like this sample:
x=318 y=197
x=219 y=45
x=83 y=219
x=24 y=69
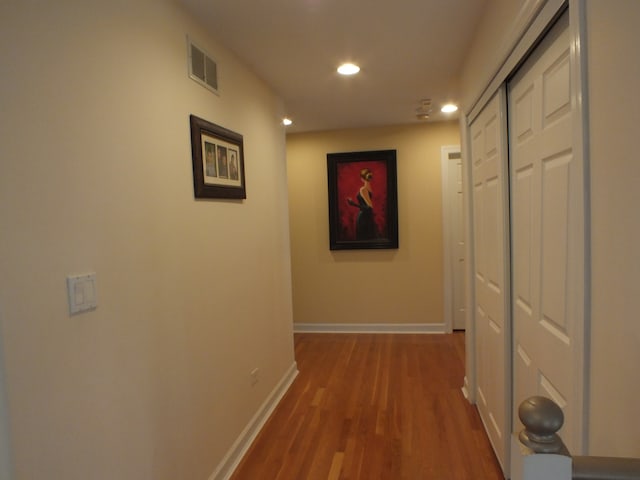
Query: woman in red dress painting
x=365 y=223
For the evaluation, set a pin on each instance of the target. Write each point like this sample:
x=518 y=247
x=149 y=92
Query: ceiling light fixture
x=348 y=69
x=449 y=108
x=286 y=121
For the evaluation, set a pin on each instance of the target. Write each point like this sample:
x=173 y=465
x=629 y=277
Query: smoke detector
x=424 y=110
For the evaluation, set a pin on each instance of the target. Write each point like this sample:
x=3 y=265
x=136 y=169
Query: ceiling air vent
x=202 y=68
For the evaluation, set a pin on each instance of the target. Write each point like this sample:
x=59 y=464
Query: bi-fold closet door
x=528 y=223
x=547 y=233
x=491 y=273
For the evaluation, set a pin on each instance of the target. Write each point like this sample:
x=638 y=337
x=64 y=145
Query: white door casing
x=454 y=238
x=547 y=243
x=491 y=272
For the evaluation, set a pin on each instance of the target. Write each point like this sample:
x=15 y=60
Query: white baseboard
x=232 y=458
x=369 y=328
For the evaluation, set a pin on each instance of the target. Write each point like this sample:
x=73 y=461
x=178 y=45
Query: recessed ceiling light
x=286 y=121
x=348 y=69
x=449 y=108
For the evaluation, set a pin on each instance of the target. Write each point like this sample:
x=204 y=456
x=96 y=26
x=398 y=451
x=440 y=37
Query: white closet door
x=547 y=231
x=490 y=220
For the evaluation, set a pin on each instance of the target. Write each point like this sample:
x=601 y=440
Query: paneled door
x=490 y=224
x=454 y=238
x=547 y=243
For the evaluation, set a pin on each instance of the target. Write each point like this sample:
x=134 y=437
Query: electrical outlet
x=255 y=376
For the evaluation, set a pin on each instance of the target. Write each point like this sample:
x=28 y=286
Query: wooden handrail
x=605 y=468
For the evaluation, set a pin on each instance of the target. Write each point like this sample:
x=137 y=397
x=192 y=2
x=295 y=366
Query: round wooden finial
x=542 y=418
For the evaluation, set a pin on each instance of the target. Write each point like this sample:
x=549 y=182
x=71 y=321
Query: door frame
x=581 y=279
x=469 y=382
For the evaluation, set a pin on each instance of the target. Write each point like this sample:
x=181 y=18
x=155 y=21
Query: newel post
x=537 y=453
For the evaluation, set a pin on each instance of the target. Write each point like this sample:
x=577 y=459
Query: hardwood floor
x=374 y=407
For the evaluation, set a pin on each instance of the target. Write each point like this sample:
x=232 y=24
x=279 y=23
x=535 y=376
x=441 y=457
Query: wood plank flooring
x=370 y=406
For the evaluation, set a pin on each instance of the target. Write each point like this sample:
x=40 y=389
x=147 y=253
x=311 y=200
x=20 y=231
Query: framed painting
x=363 y=200
x=218 y=161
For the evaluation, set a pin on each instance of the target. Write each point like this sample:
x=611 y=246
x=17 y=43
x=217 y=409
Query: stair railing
x=538 y=452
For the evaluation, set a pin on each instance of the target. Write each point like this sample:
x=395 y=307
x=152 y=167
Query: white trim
x=369 y=328
x=240 y=447
x=508 y=322
x=447 y=234
x=581 y=277
x=470 y=284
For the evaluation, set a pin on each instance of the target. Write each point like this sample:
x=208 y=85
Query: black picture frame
x=355 y=221
x=218 y=161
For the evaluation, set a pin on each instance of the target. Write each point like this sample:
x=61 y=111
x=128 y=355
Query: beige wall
x=614 y=107
x=490 y=46
x=192 y=295
x=614 y=73
x=364 y=286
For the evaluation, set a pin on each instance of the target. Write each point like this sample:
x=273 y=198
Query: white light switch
x=82 y=292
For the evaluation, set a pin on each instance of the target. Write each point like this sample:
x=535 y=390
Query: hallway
x=378 y=406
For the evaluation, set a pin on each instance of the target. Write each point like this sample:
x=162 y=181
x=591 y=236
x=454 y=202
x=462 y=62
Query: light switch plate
x=81 y=291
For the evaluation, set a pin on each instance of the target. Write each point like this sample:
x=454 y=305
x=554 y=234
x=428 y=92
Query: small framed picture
x=363 y=200
x=218 y=161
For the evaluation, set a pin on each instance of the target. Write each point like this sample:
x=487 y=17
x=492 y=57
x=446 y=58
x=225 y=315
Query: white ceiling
x=408 y=50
